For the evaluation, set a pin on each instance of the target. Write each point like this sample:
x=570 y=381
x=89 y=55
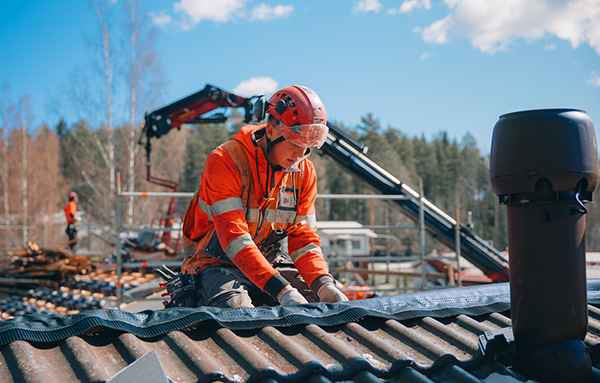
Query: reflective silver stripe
x=272 y=215
x=204 y=207
x=226 y=205
x=237 y=245
x=311 y=220
x=208 y=211
x=297 y=254
x=252 y=215
x=280 y=216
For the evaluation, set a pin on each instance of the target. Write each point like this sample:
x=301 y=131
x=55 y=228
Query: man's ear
x=270 y=131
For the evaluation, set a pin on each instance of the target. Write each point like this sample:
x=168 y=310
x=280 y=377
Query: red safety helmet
x=72 y=196
x=299 y=116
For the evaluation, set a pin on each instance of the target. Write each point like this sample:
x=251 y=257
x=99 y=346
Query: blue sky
x=421 y=66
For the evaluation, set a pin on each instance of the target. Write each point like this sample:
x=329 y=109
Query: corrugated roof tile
x=371 y=348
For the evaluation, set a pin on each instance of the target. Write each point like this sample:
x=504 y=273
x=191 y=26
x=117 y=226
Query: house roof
x=346 y=229
x=422 y=337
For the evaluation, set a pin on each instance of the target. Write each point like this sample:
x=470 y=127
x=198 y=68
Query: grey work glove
x=291 y=297
x=330 y=294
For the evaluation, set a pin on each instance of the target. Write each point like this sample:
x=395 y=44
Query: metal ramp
x=350 y=153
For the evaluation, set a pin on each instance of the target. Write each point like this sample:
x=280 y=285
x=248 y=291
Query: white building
x=344 y=238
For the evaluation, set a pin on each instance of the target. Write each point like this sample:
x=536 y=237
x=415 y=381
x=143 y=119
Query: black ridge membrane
x=472 y=301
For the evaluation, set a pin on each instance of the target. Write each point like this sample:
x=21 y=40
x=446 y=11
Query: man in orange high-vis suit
x=260 y=181
x=70 y=210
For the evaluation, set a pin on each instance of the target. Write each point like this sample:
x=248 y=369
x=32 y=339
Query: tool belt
x=183 y=289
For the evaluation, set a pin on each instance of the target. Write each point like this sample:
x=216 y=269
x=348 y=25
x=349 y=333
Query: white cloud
x=264 y=12
x=223 y=11
x=493 y=25
x=368 y=6
x=425 y=55
x=256 y=86
x=594 y=79
x=437 y=32
x=161 y=19
x=410 y=5
x=220 y=11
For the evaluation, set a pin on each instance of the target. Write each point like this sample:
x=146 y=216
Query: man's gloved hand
x=291 y=296
x=330 y=294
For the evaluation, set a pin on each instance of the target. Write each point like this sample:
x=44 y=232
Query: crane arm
x=189 y=110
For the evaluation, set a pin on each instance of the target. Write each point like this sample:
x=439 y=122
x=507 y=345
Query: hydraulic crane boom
x=350 y=153
x=189 y=110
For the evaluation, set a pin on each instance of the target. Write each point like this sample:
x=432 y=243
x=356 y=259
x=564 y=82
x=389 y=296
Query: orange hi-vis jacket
x=70 y=211
x=241 y=198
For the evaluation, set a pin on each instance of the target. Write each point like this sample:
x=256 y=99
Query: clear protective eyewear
x=307 y=136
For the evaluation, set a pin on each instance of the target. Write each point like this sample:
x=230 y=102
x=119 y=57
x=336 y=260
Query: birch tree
x=143 y=75
x=89 y=147
x=30 y=178
x=107 y=74
x=97 y=142
x=47 y=188
x=24 y=183
x=23 y=119
x=6 y=109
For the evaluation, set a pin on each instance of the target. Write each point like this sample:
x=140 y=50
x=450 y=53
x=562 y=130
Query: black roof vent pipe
x=544 y=168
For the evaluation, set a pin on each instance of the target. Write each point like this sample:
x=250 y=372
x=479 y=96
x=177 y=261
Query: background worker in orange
x=70 y=210
x=262 y=180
